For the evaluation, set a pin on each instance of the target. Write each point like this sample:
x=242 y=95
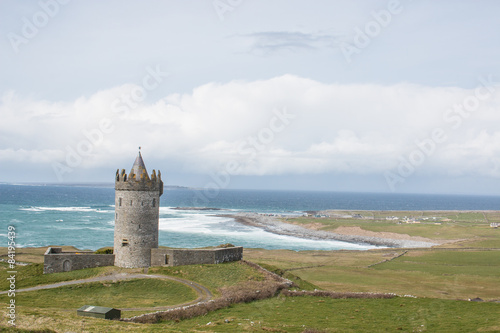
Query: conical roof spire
x=139 y=168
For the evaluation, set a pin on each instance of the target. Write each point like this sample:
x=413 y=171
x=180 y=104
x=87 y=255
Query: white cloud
x=360 y=129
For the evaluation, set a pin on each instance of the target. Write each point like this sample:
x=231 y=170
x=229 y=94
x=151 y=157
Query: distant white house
x=494 y=225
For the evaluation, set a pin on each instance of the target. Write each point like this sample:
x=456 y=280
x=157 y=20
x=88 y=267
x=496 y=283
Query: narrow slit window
x=125 y=242
x=154 y=202
x=120 y=202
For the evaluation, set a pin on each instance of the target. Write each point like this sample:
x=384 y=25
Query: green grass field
x=122 y=294
x=442 y=279
x=212 y=276
x=296 y=314
x=32 y=275
x=440 y=273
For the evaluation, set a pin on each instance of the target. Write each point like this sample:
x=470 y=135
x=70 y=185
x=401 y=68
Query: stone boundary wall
x=243 y=292
x=228 y=254
x=178 y=257
x=55 y=260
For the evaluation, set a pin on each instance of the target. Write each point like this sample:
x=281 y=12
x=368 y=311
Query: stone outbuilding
x=99 y=312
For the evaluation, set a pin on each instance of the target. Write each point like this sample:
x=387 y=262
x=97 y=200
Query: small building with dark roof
x=99 y=312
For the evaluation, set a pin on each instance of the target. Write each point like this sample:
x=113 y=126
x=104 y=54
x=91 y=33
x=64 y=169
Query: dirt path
x=203 y=293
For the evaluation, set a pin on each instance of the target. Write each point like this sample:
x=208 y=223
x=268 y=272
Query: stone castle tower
x=137 y=210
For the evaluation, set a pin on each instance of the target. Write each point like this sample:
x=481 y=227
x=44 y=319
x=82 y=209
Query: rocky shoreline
x=273 y=225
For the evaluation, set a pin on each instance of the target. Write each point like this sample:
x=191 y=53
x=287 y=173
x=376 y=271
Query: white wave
x=27 y=245
x=195 y=223
x=99 y=228
x=85 y=228
x=199 y=224
x=64 y=209
x=175 y=210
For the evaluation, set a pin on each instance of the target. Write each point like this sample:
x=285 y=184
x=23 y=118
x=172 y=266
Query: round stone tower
x=137 y=210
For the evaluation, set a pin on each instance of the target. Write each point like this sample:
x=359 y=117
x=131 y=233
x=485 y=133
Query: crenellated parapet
x=142 y=182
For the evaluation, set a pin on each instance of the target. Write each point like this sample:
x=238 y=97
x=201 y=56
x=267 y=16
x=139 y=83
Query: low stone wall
x=178 y=257
x=55 y=260
x=228 y=254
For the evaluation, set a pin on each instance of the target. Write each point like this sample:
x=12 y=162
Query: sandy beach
x=345 y=234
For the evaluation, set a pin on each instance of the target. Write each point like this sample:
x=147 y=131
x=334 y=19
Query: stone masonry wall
x=228 y=254
x=178 y=257
x=55 y=260
x=136 y=227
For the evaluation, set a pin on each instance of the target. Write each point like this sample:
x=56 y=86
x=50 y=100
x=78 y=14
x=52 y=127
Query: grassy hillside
x=141 y=293
x=437 y=273
x=213 y=277
x=442 y=279
x=298 y=314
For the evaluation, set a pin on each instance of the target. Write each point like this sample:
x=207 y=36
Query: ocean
x=83 y=216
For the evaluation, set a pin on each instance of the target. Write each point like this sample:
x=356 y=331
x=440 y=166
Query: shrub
x=104 y=250
x=224 y=246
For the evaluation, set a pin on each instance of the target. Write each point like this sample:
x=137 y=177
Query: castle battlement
x=138 y=178
x=132 y=182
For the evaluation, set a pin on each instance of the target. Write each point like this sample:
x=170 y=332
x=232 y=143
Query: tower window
x=125 y=242
x=142 y=203
x=120 y=202
x=130 y=202
x=154 y=202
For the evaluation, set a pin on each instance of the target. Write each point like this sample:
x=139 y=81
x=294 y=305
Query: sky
x=363 y=96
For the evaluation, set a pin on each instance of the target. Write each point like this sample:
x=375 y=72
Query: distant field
x=447 y=274
x=473 y=228
x=463 y=269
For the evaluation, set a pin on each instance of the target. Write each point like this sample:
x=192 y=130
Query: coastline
x=350 y=235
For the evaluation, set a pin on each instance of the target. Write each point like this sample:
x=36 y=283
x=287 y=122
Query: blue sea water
x=84 y=216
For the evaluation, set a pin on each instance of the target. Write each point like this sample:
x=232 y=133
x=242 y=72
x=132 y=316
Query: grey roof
x=139 y=168
x=99 y=312
x=95 y=309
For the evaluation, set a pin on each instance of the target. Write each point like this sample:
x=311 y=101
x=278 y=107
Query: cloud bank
x=281 y=126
